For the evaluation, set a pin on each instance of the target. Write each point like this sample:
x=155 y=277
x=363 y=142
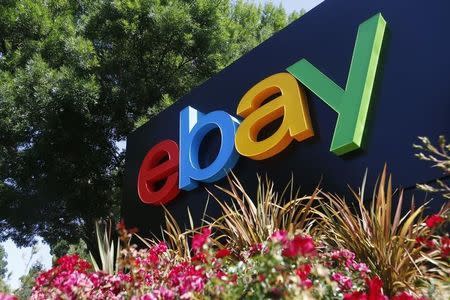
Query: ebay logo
x=169 y=167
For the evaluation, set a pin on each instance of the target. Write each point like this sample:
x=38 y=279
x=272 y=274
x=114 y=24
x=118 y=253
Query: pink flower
x=7 y=297
x=344 y=282
x=187 y=278
x=280 y=236
x=345 y=254
x=300 y=245
x=360 y=267
x=222 y=253
x=160 y=248
x=70 y=271
x=348 y=259
x=433 y=221
x=161 y=293
x=307 y=283
x=200 y=239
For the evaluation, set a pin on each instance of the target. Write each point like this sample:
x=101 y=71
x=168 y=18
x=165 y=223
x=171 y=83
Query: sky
x=19 y=258
x=294 y=5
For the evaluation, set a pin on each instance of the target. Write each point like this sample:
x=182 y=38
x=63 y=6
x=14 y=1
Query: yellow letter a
x=291 y=104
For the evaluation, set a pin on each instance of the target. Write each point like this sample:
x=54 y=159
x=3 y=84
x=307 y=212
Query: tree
x=27 y=281
x=63 y=248
x=55 y=149
x=77 y=76
x=3 y=262
x=4 y=288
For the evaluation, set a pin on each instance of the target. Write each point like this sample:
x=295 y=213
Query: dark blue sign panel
x=410 y=97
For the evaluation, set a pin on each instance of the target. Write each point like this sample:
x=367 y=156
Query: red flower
x=234 y=278
x=221 y=275
x=73 y=262
x=300 y=245
x=421 y=240
x=123 y=229
x=222 y=253
x=121 y=225
x=403 y=296
x=375 y=285
x=199 y=257
x=445 y=246
x=434 y=220
x=224 y=276
x=200 y=239
x=133 y=230
x=256 y=249
x=355 y=296
x=303 y=271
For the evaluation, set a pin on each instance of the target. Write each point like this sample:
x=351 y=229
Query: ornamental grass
x=397 y=246
x=247 y=221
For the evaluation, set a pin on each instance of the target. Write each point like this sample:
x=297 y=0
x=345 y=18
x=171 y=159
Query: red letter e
x=158 y=175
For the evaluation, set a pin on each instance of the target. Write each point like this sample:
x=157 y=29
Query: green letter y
x=351 y=104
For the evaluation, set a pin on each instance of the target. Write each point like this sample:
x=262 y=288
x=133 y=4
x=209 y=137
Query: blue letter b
x=193 y=127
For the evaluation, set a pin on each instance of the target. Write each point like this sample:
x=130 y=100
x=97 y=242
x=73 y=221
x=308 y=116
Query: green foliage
x=4 y=288
x=62 y=248
x=3 y=263
x=77 y=76
x=150 y=50
x=55 y=152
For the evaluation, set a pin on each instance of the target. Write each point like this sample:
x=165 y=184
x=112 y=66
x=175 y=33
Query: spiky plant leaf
x=109 y=254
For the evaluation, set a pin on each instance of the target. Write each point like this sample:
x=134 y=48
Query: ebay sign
x=171 y=166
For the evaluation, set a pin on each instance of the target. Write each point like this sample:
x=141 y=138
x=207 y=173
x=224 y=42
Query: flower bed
x=312 y=247
x=285 y=266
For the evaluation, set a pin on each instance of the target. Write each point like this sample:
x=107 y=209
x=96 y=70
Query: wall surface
x=411 y=98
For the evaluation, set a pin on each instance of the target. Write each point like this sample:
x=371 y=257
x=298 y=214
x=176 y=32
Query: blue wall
x=411 y=98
